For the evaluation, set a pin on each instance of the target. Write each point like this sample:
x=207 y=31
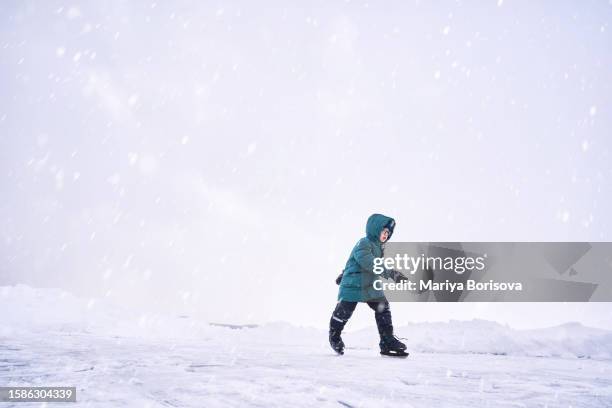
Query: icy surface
x=116 y=359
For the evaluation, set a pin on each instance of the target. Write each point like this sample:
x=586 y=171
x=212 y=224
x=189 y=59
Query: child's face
x=384 y=235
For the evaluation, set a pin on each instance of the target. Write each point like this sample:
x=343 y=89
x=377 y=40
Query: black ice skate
x=391 y=346
x=335 y=341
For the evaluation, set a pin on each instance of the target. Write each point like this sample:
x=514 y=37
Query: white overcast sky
x=219 y=159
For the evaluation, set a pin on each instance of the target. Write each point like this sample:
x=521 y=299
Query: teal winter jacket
x=358 y=276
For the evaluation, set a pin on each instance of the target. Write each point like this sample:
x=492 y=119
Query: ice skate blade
x=399 y=354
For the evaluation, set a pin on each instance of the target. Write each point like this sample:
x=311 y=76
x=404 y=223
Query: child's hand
x=397 y=277
x=339 y=278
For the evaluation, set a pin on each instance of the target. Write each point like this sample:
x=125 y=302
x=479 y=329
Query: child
x=356 y=285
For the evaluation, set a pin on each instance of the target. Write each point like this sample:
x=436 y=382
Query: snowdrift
x=29 y=311
x=571 y=340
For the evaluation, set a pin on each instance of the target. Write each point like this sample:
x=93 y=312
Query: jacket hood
x=376 y=223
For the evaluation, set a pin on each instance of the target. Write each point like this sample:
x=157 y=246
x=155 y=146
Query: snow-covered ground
x=115 y=359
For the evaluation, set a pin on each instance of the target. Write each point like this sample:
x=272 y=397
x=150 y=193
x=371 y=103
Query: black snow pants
x=344 y=310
